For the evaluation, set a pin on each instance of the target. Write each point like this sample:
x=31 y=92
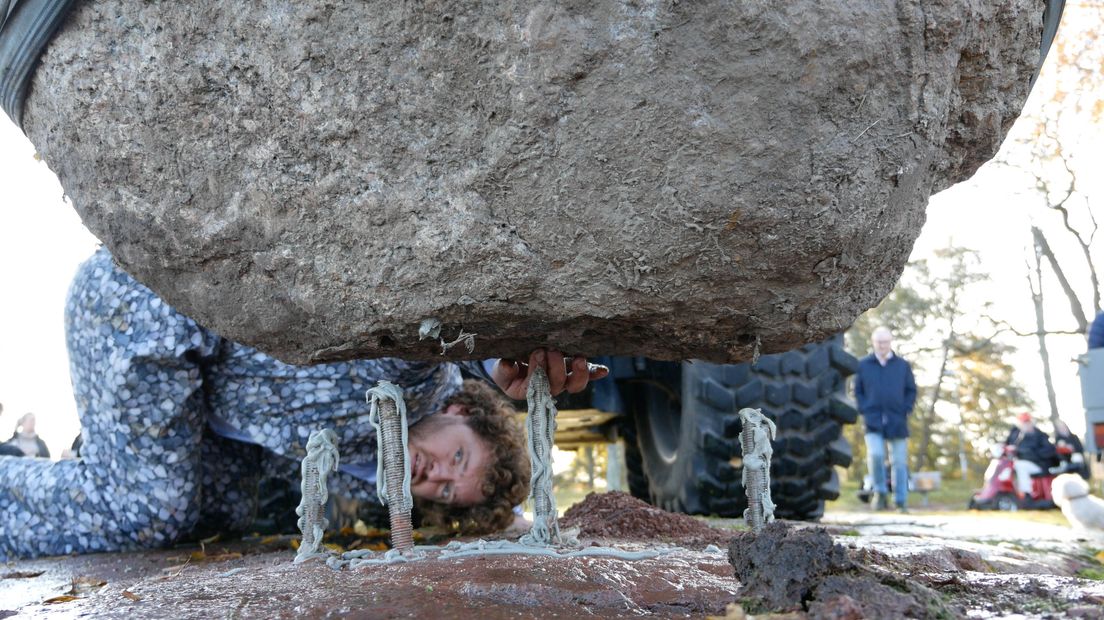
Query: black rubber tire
x=634 y=463
x=1007 y=502
x=687 y=430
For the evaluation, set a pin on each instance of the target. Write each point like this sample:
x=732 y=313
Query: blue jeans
x=875 y=464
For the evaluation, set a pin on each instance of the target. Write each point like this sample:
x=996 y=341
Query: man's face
x=883 y=343
x=447 y=460
x=1026 y=425
x=29 y=423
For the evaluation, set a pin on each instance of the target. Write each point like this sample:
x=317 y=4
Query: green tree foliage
x=987 y=394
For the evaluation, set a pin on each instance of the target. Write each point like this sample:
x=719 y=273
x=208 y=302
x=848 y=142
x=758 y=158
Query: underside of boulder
x=670 y=179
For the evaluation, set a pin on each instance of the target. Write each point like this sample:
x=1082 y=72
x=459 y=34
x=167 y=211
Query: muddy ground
x=869 y=566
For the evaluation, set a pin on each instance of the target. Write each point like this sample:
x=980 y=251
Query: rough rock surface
x=681 y=179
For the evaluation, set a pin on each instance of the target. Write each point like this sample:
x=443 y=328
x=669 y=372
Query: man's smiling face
x=447 y=460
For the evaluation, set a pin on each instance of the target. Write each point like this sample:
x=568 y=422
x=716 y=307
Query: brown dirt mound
x=620 y=515
x=783 y=568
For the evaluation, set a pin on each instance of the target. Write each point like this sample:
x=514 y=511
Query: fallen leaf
x=364 y=531
x=268 y=540
x=84 y=585
x=733 y=220
x=178 y=570
x=22 y=574
x=377 y=546
x=360 y=528
x=333 y=547
x=222 y=557
x=132 y=596
x=348 y=531
x=295 y=543
x=64 y=598
x=1099 y=557
x=198 y=556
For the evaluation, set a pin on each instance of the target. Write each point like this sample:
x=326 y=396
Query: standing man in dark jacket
x=886 y=391
x=1096 y=332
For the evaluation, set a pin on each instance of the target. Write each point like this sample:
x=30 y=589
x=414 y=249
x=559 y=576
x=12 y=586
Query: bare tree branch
x=1096 y=227
x=1037 y=300
x=1076 y=234
x=1043 y=248
x=1005 y=326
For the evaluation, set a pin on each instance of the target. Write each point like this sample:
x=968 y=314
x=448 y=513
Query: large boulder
x=671 y=179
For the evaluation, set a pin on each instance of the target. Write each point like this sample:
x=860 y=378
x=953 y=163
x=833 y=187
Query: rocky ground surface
x=856 y=565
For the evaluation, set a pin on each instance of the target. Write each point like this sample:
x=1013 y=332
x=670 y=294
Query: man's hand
x=512 y=377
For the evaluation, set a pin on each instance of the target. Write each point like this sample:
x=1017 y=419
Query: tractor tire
x=687 y=430
x=634 y=461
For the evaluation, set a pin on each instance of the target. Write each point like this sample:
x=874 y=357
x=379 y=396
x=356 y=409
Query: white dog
x=1071 y=493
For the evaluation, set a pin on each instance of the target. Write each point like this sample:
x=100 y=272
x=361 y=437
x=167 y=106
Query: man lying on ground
x=175 y=421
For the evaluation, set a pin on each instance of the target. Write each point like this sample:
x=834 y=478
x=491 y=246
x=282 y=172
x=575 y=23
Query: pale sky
x=42 y=241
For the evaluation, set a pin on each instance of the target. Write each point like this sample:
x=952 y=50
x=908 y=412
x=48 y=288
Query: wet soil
x=266 y=584
x=621 y=516
x=803 y=571
x=849 y=570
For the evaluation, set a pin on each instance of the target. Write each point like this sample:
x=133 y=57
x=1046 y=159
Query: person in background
x=1070 y=451
x=1096 y=332
x=26 y=440
x=73 y=451
x=5 y=449
x=1034 y=452
x=886 y=392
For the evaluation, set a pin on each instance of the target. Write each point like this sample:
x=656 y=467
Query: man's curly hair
x=506 y=479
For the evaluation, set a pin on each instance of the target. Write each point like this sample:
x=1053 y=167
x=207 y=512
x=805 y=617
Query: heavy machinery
x=679 y=425
x=1091 y=370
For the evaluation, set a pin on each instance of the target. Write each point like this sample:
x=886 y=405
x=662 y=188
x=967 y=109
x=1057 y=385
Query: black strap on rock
x=26 y=26
x=1052 y=16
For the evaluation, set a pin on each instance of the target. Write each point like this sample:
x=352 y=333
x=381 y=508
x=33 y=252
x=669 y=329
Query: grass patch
x=950 y=500
x=1094 y=573
x=953 y=495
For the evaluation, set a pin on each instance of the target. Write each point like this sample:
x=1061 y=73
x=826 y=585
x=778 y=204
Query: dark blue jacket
x=885 y=395
x=1096 y=332
x=1034 y=446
